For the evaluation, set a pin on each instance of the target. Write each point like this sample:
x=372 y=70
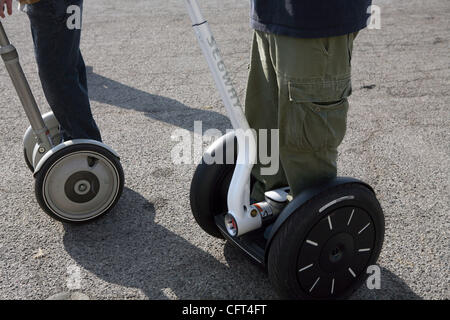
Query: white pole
x=217 y=66
x=238 y=199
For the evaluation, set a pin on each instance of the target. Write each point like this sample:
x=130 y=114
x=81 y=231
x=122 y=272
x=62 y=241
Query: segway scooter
x=75 y=181
x=316 y=246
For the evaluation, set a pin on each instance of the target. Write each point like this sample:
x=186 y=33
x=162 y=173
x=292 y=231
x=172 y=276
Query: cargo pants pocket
x=318 y=117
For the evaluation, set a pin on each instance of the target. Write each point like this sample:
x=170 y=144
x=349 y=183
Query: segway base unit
x=316 y=246
x=75 y=181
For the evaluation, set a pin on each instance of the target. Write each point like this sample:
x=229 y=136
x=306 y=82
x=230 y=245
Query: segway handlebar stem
x=4 y=41
x=11 y=59
x=215 y=62
x=239 y=191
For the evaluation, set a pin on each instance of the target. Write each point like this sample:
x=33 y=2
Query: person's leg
x=61 y=67
x=261 y=109
x=314 y=78
x=82 y=74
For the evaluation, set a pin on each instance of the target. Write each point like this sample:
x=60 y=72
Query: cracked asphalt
x=148 y=79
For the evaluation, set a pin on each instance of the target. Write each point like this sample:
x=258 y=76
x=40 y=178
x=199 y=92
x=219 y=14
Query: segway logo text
x=225 y=75
x=266 y=140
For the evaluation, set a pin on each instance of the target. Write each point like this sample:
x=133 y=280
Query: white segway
x=316 y=246
x=75 y=181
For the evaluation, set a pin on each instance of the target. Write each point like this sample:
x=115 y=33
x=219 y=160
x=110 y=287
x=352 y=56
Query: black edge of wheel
x=40 y=176
x=304 y=268
x=209 y=190
x=27 y=161
x=208 y=194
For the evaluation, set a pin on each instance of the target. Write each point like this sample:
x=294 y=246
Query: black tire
x=42 y=173
x=208 y=194
x=325 y=255
x=27 y=161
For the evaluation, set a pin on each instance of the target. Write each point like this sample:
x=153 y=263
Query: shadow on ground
x=392 y=287
x=129 y=249
x=108 y=91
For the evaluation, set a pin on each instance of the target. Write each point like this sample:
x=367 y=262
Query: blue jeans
x=61 y=67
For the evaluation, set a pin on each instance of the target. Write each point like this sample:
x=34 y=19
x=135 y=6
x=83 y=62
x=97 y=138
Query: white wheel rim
x=58 y=179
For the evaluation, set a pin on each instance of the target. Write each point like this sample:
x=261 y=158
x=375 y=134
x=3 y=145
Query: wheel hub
x=82 y=187
x=337 y=253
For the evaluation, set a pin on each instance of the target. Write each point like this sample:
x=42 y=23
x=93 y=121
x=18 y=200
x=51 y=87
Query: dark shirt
x=309 y=18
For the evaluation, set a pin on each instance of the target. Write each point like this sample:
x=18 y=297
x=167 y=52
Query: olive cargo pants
x=299 y=86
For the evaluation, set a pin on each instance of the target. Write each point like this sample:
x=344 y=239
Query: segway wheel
x=324 y=248
x=79 y=183
x=27 y=161
x=29 y=139
x=208 y=195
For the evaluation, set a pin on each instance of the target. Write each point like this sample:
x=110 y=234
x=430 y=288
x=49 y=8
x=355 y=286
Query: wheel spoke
x=351 y=272
x=312 y=288
x=351 y=216
x=332 y=286
x=305 y=268
x=360 y=231
x=329 y=223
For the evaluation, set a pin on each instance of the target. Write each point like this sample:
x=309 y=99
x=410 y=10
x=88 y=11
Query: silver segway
x=75 y=181
x=318 y=245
